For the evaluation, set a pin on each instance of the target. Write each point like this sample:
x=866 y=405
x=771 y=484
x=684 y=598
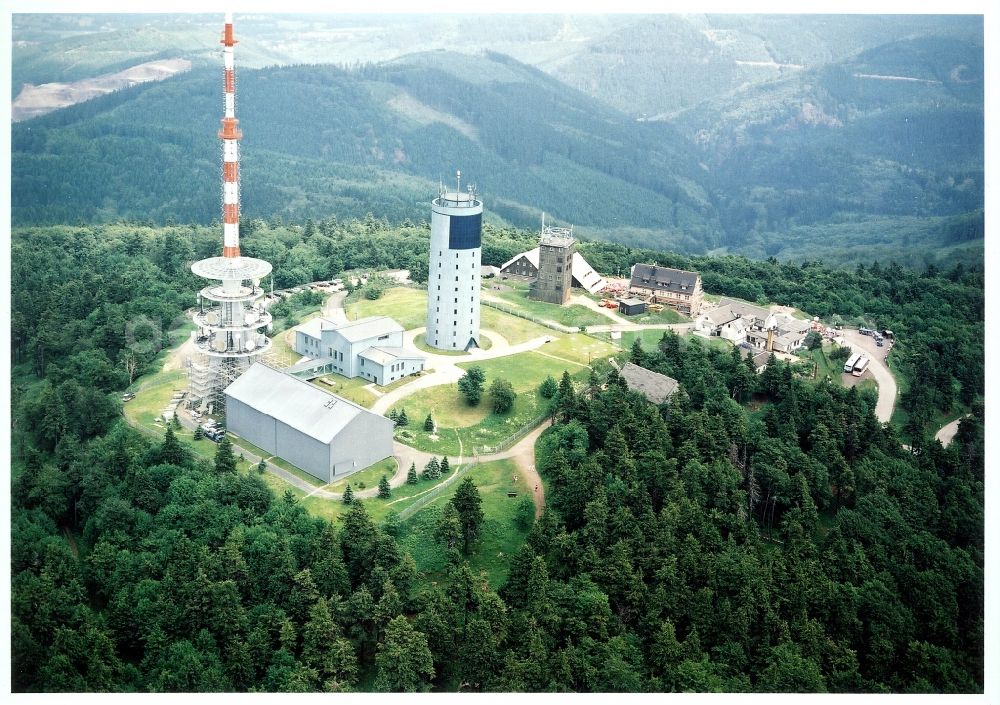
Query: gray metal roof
x=314 y=327
x=651 y=276
x=387 y=355
x=371 y=327
x=652 y=385
x=295 y=402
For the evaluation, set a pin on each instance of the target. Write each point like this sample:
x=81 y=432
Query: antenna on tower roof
x=458 y=175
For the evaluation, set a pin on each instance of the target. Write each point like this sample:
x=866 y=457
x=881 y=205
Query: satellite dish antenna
x=212 y=318
x=219 y=344
x=251 y=317
x=250 y=345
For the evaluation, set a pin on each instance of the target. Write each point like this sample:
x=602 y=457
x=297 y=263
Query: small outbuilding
x=631 y=307
x=655 y=387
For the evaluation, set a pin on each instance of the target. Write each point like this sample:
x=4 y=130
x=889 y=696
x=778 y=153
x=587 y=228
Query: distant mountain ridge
x=845 y=161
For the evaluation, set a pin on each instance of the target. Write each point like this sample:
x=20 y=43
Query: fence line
x=434 y=493
x=512 y=438
x=529 y=317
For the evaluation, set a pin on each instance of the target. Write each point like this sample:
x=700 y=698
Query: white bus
x=851 y=361
x=860 y=366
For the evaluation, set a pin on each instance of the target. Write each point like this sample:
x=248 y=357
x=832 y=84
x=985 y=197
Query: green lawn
x=650 y=338
x=515 y=330
x=713 y=342
x=402 y=497
x=282 y=350
x=667 y=315
x=366 y=478
x=463 y=427
x=499 y=537
x=152 y=395
x=568 y=315
x=351 y=388
x=578 y=347
x=406 y=306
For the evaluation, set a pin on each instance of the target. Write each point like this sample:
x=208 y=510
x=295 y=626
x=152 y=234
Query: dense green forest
x=822 y=163
x=759 y=532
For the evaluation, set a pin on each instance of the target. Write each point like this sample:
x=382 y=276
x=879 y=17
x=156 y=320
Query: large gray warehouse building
x=325 y=435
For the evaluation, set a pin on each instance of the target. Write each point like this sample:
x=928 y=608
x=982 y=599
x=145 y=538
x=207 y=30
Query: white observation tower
x=231 y=319
x=453 y=275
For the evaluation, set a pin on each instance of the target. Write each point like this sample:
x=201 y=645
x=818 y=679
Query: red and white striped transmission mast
x=231 y=320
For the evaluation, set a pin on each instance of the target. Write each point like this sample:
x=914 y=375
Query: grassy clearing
x=152 y=395
x=578 y=347
x=282 y=350
x=515 y=330
x=667 y=315
x=713 y=342
x=366 y=478
x=499 y=539
x=478 y=425
x=406 y=306
x=570 y=315
x=378 y=509
x=351 y=388
x=825 y=366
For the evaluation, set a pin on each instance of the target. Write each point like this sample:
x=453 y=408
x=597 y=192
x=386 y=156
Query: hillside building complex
x=371 y=348
x=231 y=319
x=678 y=289
x=454 y=272
x=325 y=435
x=754 y=326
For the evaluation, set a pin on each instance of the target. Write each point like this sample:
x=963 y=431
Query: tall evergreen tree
x=225 y=461
x=468 y=504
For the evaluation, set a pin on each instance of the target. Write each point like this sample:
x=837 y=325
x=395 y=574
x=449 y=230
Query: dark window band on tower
x=464 y=232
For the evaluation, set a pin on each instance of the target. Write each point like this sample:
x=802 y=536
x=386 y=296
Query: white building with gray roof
x=323 y=434
x=371 y=348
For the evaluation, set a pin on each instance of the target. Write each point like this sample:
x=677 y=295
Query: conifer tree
x=348 y=494
x=383 y=488
x=411 y=475
x=262 y=466
x=432 y=470
x=225 y=461
x=403 y=420
x=429 y=424
x=445 y=466
x=172 y=451
x=199 y=432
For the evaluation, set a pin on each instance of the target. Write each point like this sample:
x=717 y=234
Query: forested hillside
x=791 y=544
x=823 y=164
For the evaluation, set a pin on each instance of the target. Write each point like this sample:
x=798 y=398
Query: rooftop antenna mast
x=458 y=175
